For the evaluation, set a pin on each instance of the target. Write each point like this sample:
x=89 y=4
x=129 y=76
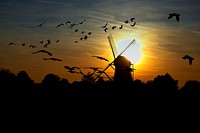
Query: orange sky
x=161 y=42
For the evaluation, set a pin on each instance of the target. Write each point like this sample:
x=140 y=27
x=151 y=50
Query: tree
x=51 y=84
x=8 y=82
x=191 y=88
x=165 y=85
x=25 y=83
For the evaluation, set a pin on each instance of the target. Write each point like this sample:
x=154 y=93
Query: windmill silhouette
x=120 y=63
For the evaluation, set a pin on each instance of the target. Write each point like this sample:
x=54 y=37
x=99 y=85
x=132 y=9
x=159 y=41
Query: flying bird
x=53 y=59
x=105 y=29
x=86 y=37
x=41 y=24
x=43 y=51
x=104 y=26
x=23 y=44
x=121 y=27
x=41 y=42
x=59 y=25
x=71 y=69
x=133 y=24
x=46 y=45
x=89 y=33
x=126 y=21
x=174 y=15
x=188 y=58
x=88 y=75
x=82 y=22
x=32 y=46
x=101 y=58
x=72 y=25
x=114 y=27
x=68 y=22
x=132 y=19
x=57 y=40
x=11 y=44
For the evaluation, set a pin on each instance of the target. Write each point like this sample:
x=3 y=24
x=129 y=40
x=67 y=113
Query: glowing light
x=133 y=53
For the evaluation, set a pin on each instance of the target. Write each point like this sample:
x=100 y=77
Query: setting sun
x=81 y=40
x=133 y=53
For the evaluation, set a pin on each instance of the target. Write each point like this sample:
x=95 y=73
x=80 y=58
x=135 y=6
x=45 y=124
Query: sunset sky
x=159 y=47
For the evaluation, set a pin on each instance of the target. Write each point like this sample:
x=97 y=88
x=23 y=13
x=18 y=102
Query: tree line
x=21 y=85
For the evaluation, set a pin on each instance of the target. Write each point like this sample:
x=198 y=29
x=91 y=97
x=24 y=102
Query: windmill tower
x=122 y=64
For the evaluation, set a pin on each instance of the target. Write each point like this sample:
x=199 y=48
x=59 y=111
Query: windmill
x=122 y=74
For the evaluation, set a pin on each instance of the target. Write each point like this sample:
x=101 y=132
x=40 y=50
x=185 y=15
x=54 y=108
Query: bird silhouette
x=101 y=58
x=188 y=58
x=46 y=45
x=41 y=42
x=57 y=40
x=114 y=27
x=132 y=19
x=43 y=51
x=121 y=27
x=53 y=59
x=76 y=30
x=11 y=44
x=23 y=44
x=174 y=15
x=88 y=75
x=105 y=29
x=32 y=46
x=82 y=22
x=86 y=37
x=126 y=21
x=71 y=69
x=133 y=24
x=89 y=33
x=104 y=26
x=76 y=41
x=59 y=25
x=68 y=22
x=72 y=25
x=41 y=24
x=82 y=32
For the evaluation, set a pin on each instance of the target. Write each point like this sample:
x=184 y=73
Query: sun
x=133 y=53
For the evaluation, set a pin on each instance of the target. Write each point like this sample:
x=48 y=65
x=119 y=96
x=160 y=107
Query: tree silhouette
x=165 y=85
x=25 y=84
x=8 y=83
x=51 y=85
x=191 y=88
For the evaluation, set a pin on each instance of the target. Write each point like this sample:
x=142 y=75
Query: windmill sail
x=112 y=45
x=126 y=47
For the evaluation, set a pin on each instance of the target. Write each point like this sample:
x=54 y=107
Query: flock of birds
x=74 y=26
x=85 y=35
x=132 y=23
